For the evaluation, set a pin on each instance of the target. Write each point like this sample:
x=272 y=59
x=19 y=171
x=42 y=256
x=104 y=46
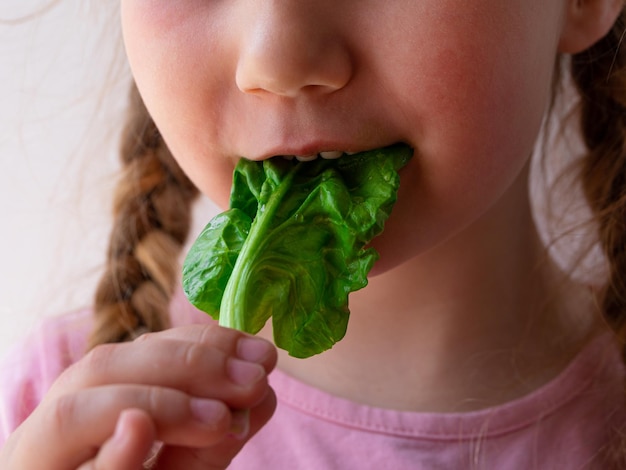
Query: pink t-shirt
x=566 y=424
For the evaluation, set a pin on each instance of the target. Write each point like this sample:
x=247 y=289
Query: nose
x=288 y=48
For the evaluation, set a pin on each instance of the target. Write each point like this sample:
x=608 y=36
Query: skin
x=462 y=273
x=106 y=411
x=462 y=292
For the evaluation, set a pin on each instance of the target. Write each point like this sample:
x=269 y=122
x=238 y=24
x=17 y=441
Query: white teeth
x=306 y=158
x=331 y=155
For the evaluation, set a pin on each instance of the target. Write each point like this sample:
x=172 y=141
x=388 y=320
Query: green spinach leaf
x=293 y=245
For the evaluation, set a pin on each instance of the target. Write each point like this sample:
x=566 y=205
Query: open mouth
x=331 y=155
x=337 y=154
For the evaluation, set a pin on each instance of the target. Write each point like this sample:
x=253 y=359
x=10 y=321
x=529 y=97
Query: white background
x=58 y=138
x=63 y=88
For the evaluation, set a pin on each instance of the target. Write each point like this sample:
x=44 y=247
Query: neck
x=477 y=321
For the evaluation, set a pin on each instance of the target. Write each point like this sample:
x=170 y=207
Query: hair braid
x=152 y=216
x=600 y=75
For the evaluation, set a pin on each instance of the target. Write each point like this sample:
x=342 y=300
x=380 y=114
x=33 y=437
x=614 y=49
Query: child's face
x=464 y=82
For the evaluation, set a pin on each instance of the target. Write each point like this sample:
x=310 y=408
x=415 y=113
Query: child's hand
x=178 y=387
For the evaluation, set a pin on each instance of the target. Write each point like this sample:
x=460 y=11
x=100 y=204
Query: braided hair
x=152 y=218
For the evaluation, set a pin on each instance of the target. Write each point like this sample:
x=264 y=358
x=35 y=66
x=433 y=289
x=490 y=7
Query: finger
x=127 y=449
x=70 y=430
x=211 y=333
x=219 y=455
x=231 y=342
x=194 y=367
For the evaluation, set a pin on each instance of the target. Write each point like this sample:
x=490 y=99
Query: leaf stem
x=230 y=308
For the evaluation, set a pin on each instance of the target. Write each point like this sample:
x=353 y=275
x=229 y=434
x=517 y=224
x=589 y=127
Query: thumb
x=131 y=442
x=219 y=456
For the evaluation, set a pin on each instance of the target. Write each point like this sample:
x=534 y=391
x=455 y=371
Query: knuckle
x=61 y=422
x=195 y=356
x=154 y=399
x=212 y=333
x=85 y=372
x=205 y=368
x=99 y=357
x=149 y=336
x=166 y=406
x=61 y=414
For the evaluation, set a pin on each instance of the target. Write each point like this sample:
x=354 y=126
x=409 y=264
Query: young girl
x=468 y=349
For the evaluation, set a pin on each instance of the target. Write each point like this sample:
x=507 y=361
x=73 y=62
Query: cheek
x=477 y=104
x=169 y=48
x=172 y=48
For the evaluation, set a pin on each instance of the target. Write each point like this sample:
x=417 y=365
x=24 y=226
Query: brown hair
x=600 y=76
x=152 y=217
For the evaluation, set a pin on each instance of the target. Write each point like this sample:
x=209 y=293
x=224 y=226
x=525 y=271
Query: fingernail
x=243 y=372
x=240 y=423
x=253 y=349
x=207 y=411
